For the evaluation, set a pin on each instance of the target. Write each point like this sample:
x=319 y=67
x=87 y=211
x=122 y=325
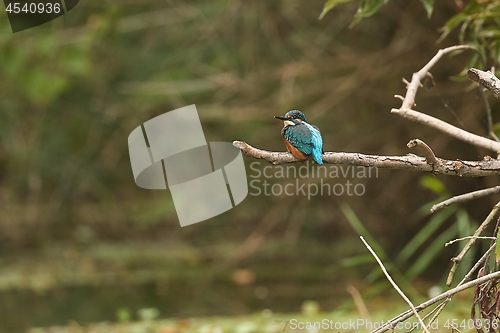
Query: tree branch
x=466 y=278
x=409 y=102
x=417 y=77
x=458 y=133
x=486 y=79
x=409 y=313
x=486 y=167
x=400 y=292
x=459 y=258
x=466 y=197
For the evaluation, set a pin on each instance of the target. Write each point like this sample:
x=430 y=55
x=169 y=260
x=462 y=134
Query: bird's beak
x=281 y=118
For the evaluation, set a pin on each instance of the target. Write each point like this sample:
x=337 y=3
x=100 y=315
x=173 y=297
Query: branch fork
x=427 y=161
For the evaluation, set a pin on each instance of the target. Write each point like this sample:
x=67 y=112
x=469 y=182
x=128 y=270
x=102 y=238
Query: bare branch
x=410 y=304
x=358 y=300
x=486 y=167
x=438 y=310
x=486 y=79
x=458 y=133
x=466 y=197
x=468 y=237
x=409 y=313
x=409 y=101
x=423 y=149
x=466 y=278
x=421 y=74
x=458 y=259
x=477 y=264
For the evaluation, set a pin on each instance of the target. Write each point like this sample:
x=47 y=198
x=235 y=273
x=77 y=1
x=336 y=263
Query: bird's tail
x=317 y=157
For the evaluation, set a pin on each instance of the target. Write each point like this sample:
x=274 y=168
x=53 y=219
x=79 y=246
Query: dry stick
x=395 y=285
x=458 y=259
x=466 y=197
x=468 y=237
x=409 y=313
x=358 y=301
x=457 y=133
x=413 y=86
x=477 y=264
x=439 y=309
x=465 y=279
x=443 y=304
x=409 y=101
x=423 y=149
x=427 y=315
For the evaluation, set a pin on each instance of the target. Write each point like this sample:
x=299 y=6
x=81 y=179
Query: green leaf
x=366 y=9
x=360 y=229
x=329 y=6
x=431 y=252
x=357 y=260
x=433 y=184
x=452 y=24
x=428 y=5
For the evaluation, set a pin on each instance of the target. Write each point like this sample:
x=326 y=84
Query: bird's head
x=293 y=117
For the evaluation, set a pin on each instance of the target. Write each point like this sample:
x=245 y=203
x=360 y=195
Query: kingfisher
x=302 y=140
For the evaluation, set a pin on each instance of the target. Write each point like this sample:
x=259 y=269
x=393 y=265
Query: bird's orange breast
x=294 y=151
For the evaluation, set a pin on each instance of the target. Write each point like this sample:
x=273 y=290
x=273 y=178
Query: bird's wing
x=301 y=137
x=316 y=138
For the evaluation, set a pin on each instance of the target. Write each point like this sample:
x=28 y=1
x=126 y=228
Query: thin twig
x=423 y=149
x=486 y=167
x=477 y=264
x=458 y=259
x=284 y=328
x=417 y=77
x=409 y=313
x=427 y=316
x=439 y=309
x=468 y=237
x=360 y=304
x=441 y=306
x=466 y=197
x=410 y=304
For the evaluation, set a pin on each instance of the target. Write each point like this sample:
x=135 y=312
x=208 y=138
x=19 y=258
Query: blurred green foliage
x=421 y=251
x=478 y=23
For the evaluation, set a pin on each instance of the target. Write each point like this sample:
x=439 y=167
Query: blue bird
x=302 y=140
